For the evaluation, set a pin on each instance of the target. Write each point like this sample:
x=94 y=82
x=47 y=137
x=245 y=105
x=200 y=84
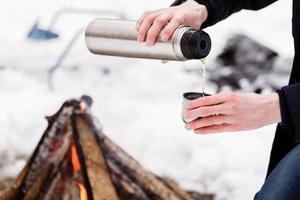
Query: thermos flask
x=119 y=38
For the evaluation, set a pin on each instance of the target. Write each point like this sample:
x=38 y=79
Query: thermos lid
x=195 y=44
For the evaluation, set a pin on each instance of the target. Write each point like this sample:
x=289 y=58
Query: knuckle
x=160 y=20
x=149 y=18
x=178 y=18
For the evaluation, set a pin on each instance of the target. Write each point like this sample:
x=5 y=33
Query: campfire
x=75 y=160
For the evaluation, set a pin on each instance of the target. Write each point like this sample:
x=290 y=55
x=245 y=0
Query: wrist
x=200 y=10
x=203 y=12
x=274 y=108
x=206 y=12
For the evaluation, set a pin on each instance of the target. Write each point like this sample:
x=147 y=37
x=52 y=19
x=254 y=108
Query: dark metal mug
x=189 y=96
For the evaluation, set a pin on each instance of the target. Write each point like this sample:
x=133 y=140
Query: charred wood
x=100 y=170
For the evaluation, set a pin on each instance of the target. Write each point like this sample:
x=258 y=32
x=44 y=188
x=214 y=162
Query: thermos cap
x=195 y=44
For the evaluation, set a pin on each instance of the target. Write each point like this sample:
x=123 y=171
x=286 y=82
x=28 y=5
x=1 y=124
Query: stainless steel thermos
x=119 y=38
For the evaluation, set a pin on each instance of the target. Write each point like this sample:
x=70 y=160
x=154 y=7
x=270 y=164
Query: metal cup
x=189 y=96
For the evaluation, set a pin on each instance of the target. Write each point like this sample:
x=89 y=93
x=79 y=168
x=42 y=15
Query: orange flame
x=74 y=159
x=82 y=190
x=76 y=168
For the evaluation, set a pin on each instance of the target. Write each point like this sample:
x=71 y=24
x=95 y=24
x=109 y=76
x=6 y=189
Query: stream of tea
x=203 y=75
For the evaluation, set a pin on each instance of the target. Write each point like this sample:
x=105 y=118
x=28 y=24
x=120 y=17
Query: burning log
x=75 y=160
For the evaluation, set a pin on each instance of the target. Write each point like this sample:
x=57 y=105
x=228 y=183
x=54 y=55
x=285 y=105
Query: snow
x=138 y=101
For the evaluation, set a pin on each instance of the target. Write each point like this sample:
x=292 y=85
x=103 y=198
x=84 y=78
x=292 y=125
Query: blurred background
x=44 y=61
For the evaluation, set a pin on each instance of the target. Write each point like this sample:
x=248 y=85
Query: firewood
x=154 y=187
x=75 y=160
x=98 y=177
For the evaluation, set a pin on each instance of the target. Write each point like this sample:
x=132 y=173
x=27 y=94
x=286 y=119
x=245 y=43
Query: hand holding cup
x=229 y=112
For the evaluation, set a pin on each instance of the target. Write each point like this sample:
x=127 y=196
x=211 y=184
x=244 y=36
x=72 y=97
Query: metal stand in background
x=62 y=57
x=38 y=33
x=44 y=34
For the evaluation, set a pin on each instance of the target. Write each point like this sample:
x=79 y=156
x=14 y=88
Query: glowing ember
x=82 y=190
x=76 y=168
x=74 y=159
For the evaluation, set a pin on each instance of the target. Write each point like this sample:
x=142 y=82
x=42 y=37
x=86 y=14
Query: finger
x=220 y=128
x=169 y=29
x=146 y=24
x=206 y=101
x=208 y=121
x=147 y=13
x=140 y=20
x=219 y=109
x=156 y=27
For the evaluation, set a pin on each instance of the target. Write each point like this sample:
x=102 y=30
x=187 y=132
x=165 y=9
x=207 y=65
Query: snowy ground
x=138 y=102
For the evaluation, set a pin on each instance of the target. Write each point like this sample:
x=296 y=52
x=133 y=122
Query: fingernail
x=149 y=43
x=139 y=38
x=164 y=61
x=188 y=127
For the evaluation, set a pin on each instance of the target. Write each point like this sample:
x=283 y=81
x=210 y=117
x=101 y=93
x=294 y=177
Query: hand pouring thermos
x=119 y=38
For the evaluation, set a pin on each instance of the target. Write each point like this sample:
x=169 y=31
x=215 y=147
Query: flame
x=74 y=159
x=76 y=168
x=82 y=190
